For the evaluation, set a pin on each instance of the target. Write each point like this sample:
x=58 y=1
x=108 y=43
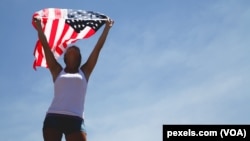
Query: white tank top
x=69 y=94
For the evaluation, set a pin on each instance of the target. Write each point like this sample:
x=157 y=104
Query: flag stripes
x=63 y=27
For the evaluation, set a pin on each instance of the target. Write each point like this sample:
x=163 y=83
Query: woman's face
x=72 y=57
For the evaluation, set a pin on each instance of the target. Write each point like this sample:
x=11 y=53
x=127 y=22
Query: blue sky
x=164 y=62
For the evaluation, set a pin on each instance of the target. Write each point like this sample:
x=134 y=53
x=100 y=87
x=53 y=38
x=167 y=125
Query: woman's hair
x=79 y=53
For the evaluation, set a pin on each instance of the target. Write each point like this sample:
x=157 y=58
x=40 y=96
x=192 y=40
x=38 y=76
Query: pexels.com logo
x=180 y=133
x=202 y=132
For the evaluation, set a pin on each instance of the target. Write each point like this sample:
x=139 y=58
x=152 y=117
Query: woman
x=65 y=114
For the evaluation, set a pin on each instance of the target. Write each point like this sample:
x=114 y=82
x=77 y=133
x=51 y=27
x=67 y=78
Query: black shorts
x=66 y=124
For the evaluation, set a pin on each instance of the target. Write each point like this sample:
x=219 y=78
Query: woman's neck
x=71 y=70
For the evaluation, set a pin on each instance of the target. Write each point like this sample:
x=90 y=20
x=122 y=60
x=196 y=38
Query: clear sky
x=164 y=62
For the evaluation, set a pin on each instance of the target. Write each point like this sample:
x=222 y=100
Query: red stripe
x=65 y=30
x=58 y=13
x=59 y=50
x=35 y=47
x=39 y=59
x=35 y=61
x=35 y=14
x=53 y=32
x=90 y=33
x=40 y=54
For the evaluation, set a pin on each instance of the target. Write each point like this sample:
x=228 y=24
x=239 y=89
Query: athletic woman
x=65 y=115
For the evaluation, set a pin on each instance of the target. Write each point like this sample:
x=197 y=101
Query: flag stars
x=75 y=24
x=82 y=14
x=79 y=25
x=79 y=19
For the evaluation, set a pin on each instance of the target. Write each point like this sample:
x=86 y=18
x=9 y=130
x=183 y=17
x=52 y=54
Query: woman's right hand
x=37 y=23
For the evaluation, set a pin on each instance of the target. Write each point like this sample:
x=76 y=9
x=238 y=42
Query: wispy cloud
x=182 y=65
x=196 y=78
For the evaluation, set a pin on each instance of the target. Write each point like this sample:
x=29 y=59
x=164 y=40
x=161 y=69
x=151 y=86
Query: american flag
x=63 y=27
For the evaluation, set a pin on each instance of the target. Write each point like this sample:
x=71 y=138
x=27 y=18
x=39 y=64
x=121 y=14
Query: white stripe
x=47 y=29
x=59 y=31
x=64 y=13
x=36 y=54
x=52 y=14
